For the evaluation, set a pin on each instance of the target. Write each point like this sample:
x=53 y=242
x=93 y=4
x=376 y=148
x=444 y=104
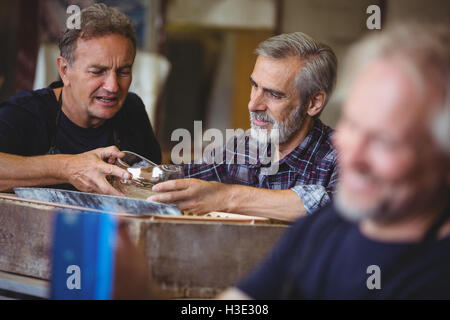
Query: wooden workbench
x=191 y=257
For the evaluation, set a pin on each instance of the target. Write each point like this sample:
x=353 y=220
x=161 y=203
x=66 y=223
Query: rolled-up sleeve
x=313 y=196
x=317 y=196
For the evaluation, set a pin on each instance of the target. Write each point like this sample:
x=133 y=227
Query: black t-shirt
x=28 y=125
x=323 y=256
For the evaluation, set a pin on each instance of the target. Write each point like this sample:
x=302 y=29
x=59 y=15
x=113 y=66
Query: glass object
x=145 y=174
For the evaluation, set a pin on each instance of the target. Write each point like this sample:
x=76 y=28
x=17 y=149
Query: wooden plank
x=199 y=260
x=25 y=238
x=210 y=217
x=26 y=234
x=18 y=284
x=187 y=259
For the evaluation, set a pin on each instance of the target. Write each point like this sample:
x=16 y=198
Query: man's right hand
x=88 y=171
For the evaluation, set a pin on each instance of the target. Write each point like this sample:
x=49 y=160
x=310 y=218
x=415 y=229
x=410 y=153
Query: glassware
x=145 y=174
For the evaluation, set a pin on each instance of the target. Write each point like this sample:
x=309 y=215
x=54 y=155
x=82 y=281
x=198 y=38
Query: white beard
x=280 y=132
x=262 y=135
x=351 y=212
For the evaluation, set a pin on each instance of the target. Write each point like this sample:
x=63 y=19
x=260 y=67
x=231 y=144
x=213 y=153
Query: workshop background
x=195 y=56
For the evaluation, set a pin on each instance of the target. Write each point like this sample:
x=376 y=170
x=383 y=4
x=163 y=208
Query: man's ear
x=63 y=67
x=316 y=103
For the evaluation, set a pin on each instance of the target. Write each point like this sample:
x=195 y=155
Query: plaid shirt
x=310 y=170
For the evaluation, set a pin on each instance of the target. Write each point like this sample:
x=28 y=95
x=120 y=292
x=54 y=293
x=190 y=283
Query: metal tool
x=98 y=201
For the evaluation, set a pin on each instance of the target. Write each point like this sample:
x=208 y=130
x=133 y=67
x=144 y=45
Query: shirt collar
x=291 y=160
x=314 y=135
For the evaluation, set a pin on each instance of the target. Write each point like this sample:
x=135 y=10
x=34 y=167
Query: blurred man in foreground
x=387 y=234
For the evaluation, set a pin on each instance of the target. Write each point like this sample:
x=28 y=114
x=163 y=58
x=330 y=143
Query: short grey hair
x=96 y=21
x=319 y=70
x=423 y=51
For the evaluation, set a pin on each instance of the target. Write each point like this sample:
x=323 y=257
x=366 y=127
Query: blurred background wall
x=195 y=56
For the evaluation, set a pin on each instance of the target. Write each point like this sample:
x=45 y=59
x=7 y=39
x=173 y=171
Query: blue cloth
x=83 y=256
x=323 y=256
x=28 y=124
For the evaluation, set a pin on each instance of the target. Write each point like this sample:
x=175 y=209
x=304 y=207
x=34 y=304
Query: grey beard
x=292 y=125
x=350 y=212
x=283 y=130
x=346 y=211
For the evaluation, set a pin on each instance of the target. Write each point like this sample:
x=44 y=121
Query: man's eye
x=99 y=72
x=125 y=72
x=275 y=96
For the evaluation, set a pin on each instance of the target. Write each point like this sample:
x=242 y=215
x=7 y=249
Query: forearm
x=22 y=171
x=283 y=205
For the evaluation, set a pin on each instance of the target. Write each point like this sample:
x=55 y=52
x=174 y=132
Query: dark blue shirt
x=28 y=125
x=323 y=256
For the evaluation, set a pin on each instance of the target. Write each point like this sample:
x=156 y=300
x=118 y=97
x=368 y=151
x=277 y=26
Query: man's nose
x=111 y=82
x=256 y=102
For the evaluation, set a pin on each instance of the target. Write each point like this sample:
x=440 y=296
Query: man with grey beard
x=387 y=234
x=292 y=81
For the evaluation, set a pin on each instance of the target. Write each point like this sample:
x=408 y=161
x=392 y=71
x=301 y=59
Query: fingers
x=190 y=207
x=174 y=191
x=169 y=197
x=181 y=200
x=105 y=188
x=97 y=183
x=111 y=160
x=172 y=185
x=109 y=152
x=87 y=172
x=192 y=195
x=113 y=170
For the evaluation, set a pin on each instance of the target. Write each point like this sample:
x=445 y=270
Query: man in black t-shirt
x=387 y=234
x=72 y=131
